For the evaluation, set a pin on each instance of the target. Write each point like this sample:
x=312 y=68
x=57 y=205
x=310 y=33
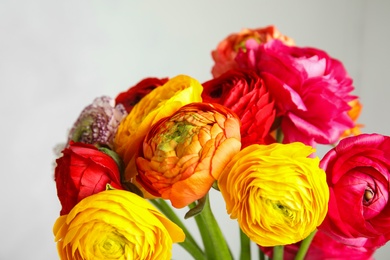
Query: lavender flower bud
x=98 y=122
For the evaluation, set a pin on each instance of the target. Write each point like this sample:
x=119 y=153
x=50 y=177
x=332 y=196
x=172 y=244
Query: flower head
x=228 y=48
x=135 y=93
x=98 y=122
x=244 y=92
x=354 y=113
x=324 y=247
x=159 y=103
x=311 y=90
x=184 y=154
x=277 y=193
x=83 y=170
x=358 y=175
x=115 y=224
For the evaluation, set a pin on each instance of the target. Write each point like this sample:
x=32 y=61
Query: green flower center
x=178 y=133
x=111 y=247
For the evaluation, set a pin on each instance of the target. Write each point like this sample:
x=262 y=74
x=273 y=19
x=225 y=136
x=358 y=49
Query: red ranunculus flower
x=311 y=90
x=244 y=92
x=324 y=247
x=358 y=177
x=83 y=170
x=135 y=93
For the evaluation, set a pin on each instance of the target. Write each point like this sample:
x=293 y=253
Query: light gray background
x=57 y=56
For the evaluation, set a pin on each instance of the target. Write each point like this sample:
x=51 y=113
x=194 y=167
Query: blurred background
x=57 y=56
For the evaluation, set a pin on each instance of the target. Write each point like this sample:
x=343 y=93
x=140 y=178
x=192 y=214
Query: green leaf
x=197 y=209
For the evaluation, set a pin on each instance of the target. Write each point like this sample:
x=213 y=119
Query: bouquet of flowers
x=250 y=132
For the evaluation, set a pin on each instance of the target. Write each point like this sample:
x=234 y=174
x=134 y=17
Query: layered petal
x=324 y=247
x=277 y=193
x=311 y=90
x=159 y=103
x=98 y=122
x=354 y=113
x=182 y=155
x=228 y=48
x=135 y=93
x=358 y=177
x=244 y=92
x=82 y=171
x=115 y=224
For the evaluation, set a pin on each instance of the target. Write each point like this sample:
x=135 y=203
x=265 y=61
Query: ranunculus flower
x=135 y=93
x=358 y=177
x=115 y=224
x=98 y=122
x=354 y=113
x=160 y=102
x=184 y=154
x=244 y=92
x=324 y=247
x=311 y=90
x=227 y=49
x=277 y=192
x=83 y=170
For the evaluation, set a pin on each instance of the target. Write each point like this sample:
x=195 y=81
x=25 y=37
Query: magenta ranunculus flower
x=358 y=177
x=324 y=247
x=311 y=89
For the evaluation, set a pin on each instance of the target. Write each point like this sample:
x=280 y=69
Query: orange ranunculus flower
x=160 y=102
x=115 y=224
x=184 y=154
x=354 y=113
x=277 y=192
x=227 y=49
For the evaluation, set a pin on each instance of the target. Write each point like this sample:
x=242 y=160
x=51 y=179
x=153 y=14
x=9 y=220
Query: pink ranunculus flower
x=228 y=48
x=359 y=182
x=244 y=92
x=324 y=247
x=310 y=88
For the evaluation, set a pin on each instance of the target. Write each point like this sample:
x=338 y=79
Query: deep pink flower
x=227 y=49
x=311 y=89
x=358 y=177
x=324 y=247
x=244 y=92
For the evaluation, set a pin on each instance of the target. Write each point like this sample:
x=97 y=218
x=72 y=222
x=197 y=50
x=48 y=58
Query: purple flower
x=98 y=122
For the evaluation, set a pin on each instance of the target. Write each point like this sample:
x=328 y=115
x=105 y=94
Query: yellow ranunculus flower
x=115 y=224
x=160 y=102
x=276 y=192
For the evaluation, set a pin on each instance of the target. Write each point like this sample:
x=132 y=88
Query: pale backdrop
x=57 y=56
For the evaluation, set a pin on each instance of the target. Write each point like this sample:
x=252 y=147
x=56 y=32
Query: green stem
x=245 y=253
x=305 y=244
x=216 y=247
x=189 y=243
x=279 y=135
x=278 y=253
x=261 y=254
